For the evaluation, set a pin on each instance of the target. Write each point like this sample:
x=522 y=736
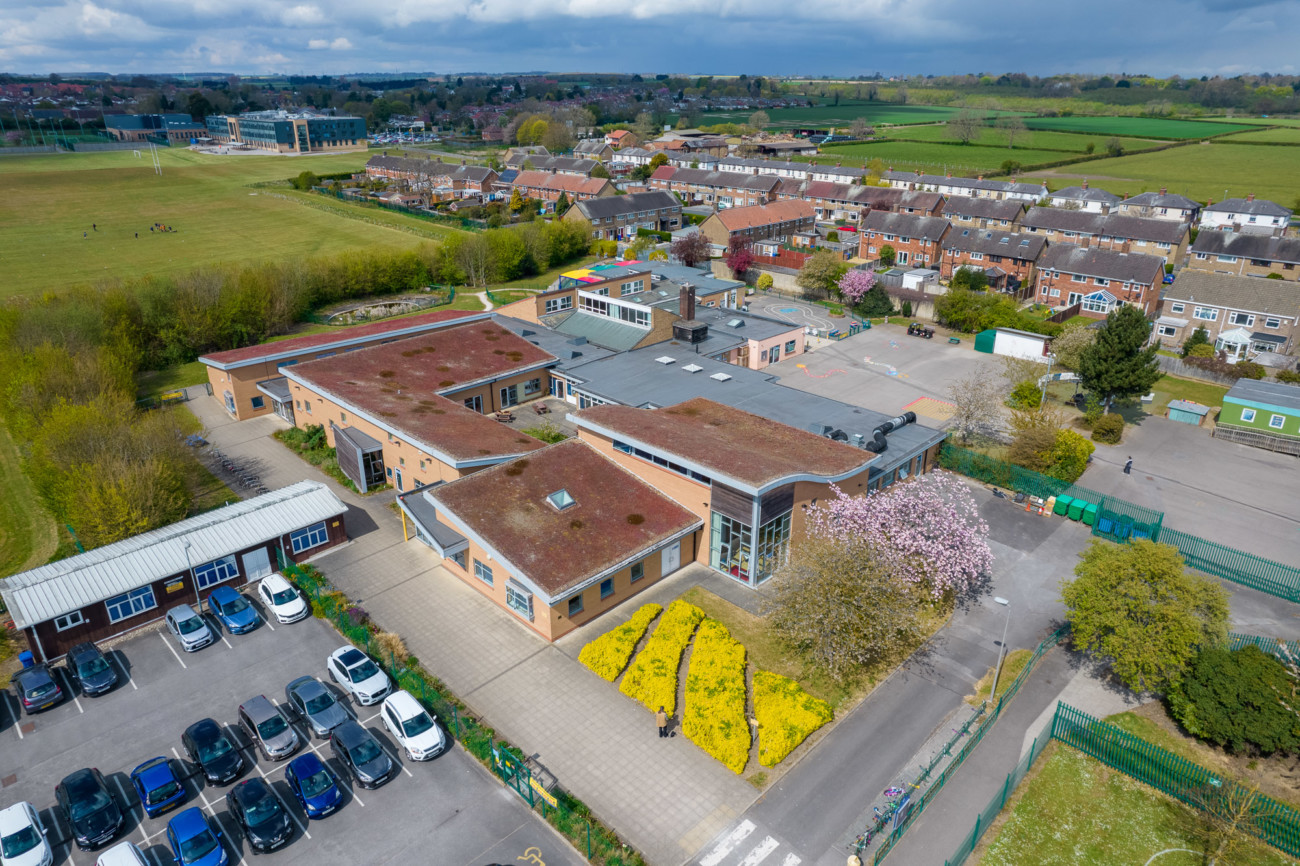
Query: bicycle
x=864 y=839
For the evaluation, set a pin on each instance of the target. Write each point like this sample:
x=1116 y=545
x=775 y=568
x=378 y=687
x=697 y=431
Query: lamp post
x=993 y=693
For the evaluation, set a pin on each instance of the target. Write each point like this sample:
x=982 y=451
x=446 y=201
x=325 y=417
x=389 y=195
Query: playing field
x=821 y=116
x=52 y=199
x=1201 y=171
x=1141 y=127
x=936 y=157
x=1032 y=139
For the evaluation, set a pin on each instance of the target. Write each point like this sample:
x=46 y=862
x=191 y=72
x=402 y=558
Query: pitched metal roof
x=96 y=575
x=1249 y=294
x=1247 y=246
x=598 y=330
x=1272 y=393
x=1107 y=264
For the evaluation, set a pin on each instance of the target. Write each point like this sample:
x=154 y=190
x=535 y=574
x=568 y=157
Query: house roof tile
x=1107 y=264
x=1249 y=246
x=1250 y=294
x=983 y=208
x=924 y=228
x=568 y=183
x=972 y=240
x=735 y=219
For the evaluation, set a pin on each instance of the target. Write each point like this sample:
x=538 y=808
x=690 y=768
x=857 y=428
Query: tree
x=1114 y=146
x=557 y=137
x=1068 y=346
x=516 y=201
x=763 y=283
x=1199 y=337
x=1010 y=167
x=1136 y=606
x=977 y=406
x=305 y=180
x=561 y=203
x=821 y=272
x=964 y=126
x=739 y=256
x=1013 y=127
x=759 y=120
x=876 y=302
x=887 y=256
x=1228 y=814
x=691 y=249
x=599 y=170
x=969 y=278
x=875 y=173
x=855 y=284
x=1119 y=363
x=1231 y=698
x=657 y=160
x=859 y=129
x=198 y=106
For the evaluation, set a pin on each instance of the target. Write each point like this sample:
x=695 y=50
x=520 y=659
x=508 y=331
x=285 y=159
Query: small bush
x=786 y=716
x=1026 y=395
x=1250 y=370
x=389 y=646
x=763 y=283
x=652 y=676
x=607 y=655
x=1288 y=377
x=714 y=715
x=1109 y=429
x=1230 y=697
x=1200 y=350
x=907 y=309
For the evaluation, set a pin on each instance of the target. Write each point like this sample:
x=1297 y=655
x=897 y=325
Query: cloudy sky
x=1159 y=37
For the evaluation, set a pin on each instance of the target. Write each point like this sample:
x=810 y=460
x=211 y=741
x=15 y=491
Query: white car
x=22 y=837
x=281 y=599
x=358 y=675
x=413 y=726
x=122 y=854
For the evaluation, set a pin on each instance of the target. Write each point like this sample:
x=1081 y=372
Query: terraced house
x=429 y=174
x=777 y=221
x=1162 y=205
x=1098 y=280
x=549 y=186
x=1246 y=255
x=722 y=189
x=1006 y=258
x=1164 y=238
x=848 y=202
x=618 y=217
x=1250 y=215
x=983 y=213
x=916 y=240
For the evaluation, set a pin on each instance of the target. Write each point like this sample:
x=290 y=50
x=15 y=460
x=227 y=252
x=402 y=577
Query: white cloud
x=339 y=44
x=302 y=14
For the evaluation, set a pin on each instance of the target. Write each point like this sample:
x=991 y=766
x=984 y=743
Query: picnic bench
x=954 y=340
x=541 y=408
x=504 y=416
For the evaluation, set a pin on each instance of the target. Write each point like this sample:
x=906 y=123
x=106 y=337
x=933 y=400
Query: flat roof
x=570 y=350
x=401 y=327
x=614 y=516
x=1274 y=394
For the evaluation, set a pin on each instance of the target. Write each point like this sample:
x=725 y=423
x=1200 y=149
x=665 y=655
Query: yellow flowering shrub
x=652 y=676
x=786 y=716
x=607 y=655
x=714 y=715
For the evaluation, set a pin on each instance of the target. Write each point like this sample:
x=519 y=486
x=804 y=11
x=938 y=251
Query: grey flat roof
x=363 y=441
x=562 y=346
x=425 y=514
x=276 y=389
x=751 y=326
x=1272 y=393
x=601 y=330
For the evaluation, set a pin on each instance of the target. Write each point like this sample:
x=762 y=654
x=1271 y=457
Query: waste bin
x=1062 y=505
x=1076 y=509
x=26 y=658
x=1090 y=514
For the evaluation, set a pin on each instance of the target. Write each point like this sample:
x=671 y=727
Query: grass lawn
x=1201 y=171
x=151 y=383
x=1156 y=127
x=1033 y=139
x=841 y=115
x=1074 y=811
x=28 y=534
x=1012 y=665
x=932 y=157
x=204 y=198
x=1169 y=388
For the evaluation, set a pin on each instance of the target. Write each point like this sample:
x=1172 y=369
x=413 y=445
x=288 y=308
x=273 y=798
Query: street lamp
x=993 y=693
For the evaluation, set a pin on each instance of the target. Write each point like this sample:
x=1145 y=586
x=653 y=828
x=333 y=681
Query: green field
x=1284 y=135
x=1033 y=139
x=1141 y=127
x=1257 y=121
x=842 y=114
x=1201 y=171
x=52 y=199
x=936 y=157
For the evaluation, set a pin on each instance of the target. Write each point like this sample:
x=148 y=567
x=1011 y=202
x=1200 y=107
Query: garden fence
x=463 y=223
x=565 y=813
x=1271 y=645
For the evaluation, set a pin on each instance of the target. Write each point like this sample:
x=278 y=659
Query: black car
x=209 y=746
x=37 y=688
x=90 y=808
x=264 y=819
x=361 y=755
x=90 y=669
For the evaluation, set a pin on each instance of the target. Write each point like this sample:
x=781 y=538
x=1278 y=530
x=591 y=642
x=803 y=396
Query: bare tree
x=760 y=120
x=1013 y=127
x=1229 y=815
x=964 y=126
x=472 y=257
x=977 y=406
x=859 y=129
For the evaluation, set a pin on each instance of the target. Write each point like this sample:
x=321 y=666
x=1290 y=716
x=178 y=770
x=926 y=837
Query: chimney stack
x=1085 y=183
x=1164 y=190
x=686 y=302
x=1250 y=196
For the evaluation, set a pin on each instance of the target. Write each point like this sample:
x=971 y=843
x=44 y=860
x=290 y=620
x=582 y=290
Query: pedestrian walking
x=661 y=719
x=83 y=234
x=137 y=236
x=1128 y=467
x=95 y=227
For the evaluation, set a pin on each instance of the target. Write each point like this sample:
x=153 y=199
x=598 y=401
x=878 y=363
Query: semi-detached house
x=1099 y=280
x=1007 y=258
x=1246 y=255
x=916 y=240
x=767 y=222
x=722 y=189
x=1126 y=234
x=1242 y=316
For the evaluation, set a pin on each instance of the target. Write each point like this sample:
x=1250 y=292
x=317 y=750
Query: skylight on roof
x=736 y=323
x=664 y=359
x=1005 y=241
x=692 y=368
x=721 y=377
x=1025 y=242
x=561 y=500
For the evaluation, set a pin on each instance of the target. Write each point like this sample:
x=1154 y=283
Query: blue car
x=157 y=786
x=193 y=842
x=234 y=611
x=314 y=785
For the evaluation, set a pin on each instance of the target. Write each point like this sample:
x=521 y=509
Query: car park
x=37 y=688
x=122 y=854
x=360 y=754
x=414 y=728
x=314 y=787
x=189 y=628
x=193 y=842
x=157 y=785
x=260 y=814
x=90 y=669
x=89 y=808
x=281 y=599
x=23 y=839
x=268 y=728
x=210 y=748
x=358 y=674
x=316 y=705
x=235 y=613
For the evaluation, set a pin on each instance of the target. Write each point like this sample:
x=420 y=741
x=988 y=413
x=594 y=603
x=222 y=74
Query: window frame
x=480 y=570
x=309 y=532
x=606 y=588
x=1276 y=422
x=130 y=598
x=574 y=611
x=637 y=571
x=65 y=622
x=216 y=571
x=1248 y=415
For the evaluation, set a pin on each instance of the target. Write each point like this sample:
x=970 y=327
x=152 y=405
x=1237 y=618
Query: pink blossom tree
x=855 y=284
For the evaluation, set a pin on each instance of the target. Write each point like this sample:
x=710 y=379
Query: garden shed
x=1017 y=344
x=1187 y=412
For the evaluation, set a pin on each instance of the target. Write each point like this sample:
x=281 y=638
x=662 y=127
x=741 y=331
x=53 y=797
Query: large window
x=218 y=570
x=1208 y=314
x=509 y=396
x=483 y=572
x=555 y=305
x=134 y=602
x=730 y=547
x=519 y=600
x=532 y=386
x=309 y=537
x=1241 y=319
x=773 y=539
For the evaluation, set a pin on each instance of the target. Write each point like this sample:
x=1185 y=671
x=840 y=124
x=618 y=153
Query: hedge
x=786 y=716
x=652 y=676
x=607 y=655
x=714 y=716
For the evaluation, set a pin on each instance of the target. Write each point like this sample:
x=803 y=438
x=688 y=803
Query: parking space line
x=130 y=679
x=290 y=812
x=226 y=832
x=267 y=620
x=67 y=678
x=369 y=720
x=173 y=649
x=398 y=762
x=126 y=801
x=355 y=797
x=226 y=642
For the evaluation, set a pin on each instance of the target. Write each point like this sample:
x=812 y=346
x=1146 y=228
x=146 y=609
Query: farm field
x=1257 y=121
x=216 y=217
x=1283 y=135
x=1033 y=139
x=935 y=157
x=842 y=114
x=1201 y=171
x=1156 y=127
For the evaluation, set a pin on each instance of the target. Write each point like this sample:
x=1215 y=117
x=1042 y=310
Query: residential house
x=618 y=217
x=427 y=175
x=722 y=189
x=526 y=150
x=1164 y=238
x=976 y=187
x=776 y=222
x=549 y=186
x=593 y=148
x=1084 y=198
x=621 y=138
x=633 y=156
x=1161 y=205
x=1249 y=215
x=1098 y=279
x=1242 y=316
x=916 y=240
x=1006 y=258
x=809 y=171
x=1246 y=254
x=982 y=213
x=848 y=202
x=555 y=164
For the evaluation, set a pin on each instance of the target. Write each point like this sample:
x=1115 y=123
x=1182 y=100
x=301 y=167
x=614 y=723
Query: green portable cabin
x=1062 y=504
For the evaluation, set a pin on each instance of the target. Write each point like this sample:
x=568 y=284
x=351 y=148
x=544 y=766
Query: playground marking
x=890 y=369
x=788 y=310
x=940 y=410
x=825 y=375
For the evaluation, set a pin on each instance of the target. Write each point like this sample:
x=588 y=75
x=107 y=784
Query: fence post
x=1006 y=787
x=588 y=823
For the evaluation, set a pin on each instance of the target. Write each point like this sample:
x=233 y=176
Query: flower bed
x=607 y=655
x=652 y=676
x=786 y=716
x=714 y=715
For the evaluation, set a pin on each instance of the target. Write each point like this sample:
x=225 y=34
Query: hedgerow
x=652 y=676
x=786 y=716
x=607 y=655
x=714 y=715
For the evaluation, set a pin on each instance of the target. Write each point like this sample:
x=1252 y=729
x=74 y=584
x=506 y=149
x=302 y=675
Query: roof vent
x=664 y=359
x=721 y=377
x=561 y=500
x=736 y=323
x=692 y=368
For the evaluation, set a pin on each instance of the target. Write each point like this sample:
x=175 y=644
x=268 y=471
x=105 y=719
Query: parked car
x=268 y=728
x=89 y=668
x=413 y=727
x=193 y=842
x=315 y=705
x=157 y=785
x=122 y=854
x=260 y=813
x=360 y=754
x=189 y=628
x=281 y=599
x=314 y=786
x=232 y=610
x=210 y=748
x=358 y=675
x=23 y=839
x=89 y=808
x=37 y=688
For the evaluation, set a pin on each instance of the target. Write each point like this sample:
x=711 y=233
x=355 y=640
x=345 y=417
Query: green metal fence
x=1119 y=520
x=1265 y=575
x=463 y=223
x=1271 y=645
x=1000 y=473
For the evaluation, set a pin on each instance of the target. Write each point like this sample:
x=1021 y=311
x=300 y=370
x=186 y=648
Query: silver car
x=315 y=705
x=190 y=628
x=268 y=727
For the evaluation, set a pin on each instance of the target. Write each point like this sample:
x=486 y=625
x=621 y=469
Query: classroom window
x=1247 y=415
x=532 y=386
x=214 y=572
x=607 y=585
x=258 y=402
x=459 y=559
x=68 y=620
x=483 y=572
x=575 y=605
x=519 y=600
x=1276 y=422
x=789 y=346
x=309 y=537
x=509 y=396
x=134 y=602
x=638 y=571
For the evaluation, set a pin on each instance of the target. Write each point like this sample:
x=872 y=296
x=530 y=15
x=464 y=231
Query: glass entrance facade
x=733 y=551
